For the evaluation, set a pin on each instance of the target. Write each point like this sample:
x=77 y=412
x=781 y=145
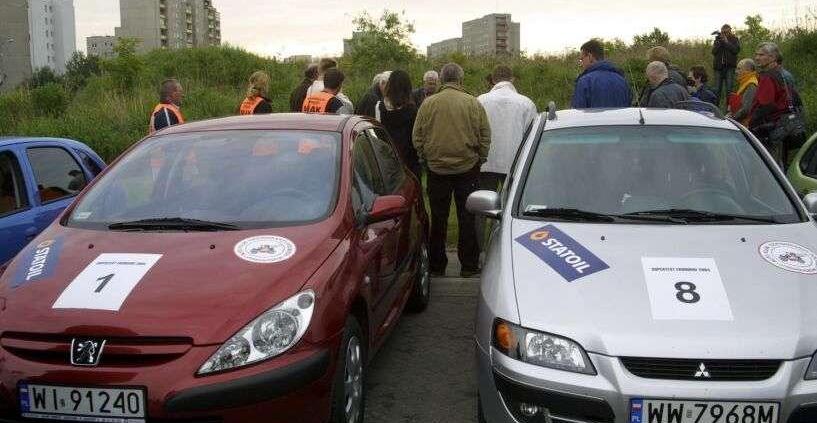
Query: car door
x=17 y=215
x=56 y=178
x=808 y=168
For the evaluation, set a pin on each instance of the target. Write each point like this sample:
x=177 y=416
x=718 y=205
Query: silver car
x=646 y=266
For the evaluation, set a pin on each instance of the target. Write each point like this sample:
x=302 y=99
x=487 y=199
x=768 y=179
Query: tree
x=380 y=44
x=651 y=39
x=43 y=76
x=126 y=67
x=79 y=69
x=754 y=34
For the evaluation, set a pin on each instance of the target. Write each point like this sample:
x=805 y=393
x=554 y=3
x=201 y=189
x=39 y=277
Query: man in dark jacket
x=601 y=84
x=431 y=83
x=665 y=94
x=771 y=103
x=725 y=51
x=366 y=105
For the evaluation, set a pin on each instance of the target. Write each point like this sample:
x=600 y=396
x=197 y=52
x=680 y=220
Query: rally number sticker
x=106 y=282
x=685 y=289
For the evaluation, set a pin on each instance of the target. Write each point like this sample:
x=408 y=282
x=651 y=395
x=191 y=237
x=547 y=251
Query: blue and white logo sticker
x=38 y=262
x=636 y=407
x=562 y=253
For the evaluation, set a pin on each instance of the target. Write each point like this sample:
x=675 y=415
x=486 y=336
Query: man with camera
x=725 y=50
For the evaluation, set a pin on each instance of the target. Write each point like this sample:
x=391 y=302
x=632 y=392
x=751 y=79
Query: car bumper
x=296 y=386
x=605 y=397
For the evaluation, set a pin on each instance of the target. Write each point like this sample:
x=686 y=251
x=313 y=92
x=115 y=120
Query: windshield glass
x=635 y=169
x=249 y=179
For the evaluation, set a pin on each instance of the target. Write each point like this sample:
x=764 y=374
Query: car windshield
x=678 y=174
x=217 y=180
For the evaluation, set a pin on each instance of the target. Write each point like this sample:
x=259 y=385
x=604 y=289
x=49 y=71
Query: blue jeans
x=724 y=83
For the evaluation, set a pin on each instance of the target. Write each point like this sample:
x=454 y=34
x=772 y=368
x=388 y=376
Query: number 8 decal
x=686 y=293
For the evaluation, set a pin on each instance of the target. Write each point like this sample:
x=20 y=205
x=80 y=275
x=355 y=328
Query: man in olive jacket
x=452 y=135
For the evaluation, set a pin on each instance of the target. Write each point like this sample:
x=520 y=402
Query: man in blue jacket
x=601 y=84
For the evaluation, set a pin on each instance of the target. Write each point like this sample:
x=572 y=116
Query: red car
x=233 y=270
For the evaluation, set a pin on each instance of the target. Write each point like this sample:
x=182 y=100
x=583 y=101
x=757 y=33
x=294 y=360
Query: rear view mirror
x=387 y=207
x=810 y=200
x=484 y=203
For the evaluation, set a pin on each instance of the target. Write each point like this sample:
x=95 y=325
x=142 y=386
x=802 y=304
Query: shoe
x=465 y=273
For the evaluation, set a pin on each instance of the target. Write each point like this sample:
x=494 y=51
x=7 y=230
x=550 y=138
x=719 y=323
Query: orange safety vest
x=317 y=102
x=172 y=107
x=249 y=104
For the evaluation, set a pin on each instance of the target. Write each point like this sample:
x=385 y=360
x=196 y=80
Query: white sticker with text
x=106 y=282
x=685 y=289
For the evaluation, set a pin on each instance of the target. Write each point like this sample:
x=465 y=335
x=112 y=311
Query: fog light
x=528 y=410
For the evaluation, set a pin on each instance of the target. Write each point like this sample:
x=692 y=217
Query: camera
x=716 y=33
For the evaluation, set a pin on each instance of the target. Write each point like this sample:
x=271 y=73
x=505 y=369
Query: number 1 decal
x=104 y=279
x=685 y=289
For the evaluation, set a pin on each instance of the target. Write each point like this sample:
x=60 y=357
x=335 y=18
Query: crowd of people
x=463 y=143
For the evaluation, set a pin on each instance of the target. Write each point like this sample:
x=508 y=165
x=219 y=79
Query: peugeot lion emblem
x=86 y=352
x=702 y=372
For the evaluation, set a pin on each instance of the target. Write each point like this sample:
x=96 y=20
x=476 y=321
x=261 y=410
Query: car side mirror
x=810 y=200
x=387 y=207
x=484 y=203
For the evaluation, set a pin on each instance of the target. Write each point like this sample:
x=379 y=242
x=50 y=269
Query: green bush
x=49 y=100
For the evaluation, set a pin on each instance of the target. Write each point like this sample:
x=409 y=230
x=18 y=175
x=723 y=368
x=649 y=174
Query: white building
x=53 y=34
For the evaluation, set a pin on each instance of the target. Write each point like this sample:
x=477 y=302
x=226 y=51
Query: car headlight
x=811 y=372
x=541 y=349
x=269 y=335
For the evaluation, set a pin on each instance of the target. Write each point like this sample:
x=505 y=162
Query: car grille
x=690 y=369
x=118 y=351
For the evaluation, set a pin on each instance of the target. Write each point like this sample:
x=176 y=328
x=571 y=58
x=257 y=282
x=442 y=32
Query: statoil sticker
x=789 y=256
x=265 y=249
x=38 y=262
x=562 y=253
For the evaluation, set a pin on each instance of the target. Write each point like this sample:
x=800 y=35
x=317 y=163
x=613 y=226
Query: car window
x=250 y=179
x=89 y=163
x=367 y=182
x=12 y=186
x=390 y=167
x=57 y=173
x=515 y=162
x=630 y=169
x=808 y=163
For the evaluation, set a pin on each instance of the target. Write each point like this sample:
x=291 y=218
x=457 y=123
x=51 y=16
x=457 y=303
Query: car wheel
x=421 y=293
x=349 y=394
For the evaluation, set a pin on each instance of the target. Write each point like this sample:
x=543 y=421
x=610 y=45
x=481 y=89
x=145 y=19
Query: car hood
x=198 y=288
x=627 y=303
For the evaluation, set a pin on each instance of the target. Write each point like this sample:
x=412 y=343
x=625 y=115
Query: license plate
x=67 y=403
x=672 y=411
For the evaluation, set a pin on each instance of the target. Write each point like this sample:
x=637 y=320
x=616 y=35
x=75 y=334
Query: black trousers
x=440 y=188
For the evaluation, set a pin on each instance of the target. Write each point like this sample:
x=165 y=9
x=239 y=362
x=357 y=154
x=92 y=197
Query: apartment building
x=491 y=35
x=100 y=46
x=169 y=23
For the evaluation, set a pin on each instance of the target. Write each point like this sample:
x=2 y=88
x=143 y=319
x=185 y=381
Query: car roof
x=12 y=140
x=310 y=121
x=632 y=116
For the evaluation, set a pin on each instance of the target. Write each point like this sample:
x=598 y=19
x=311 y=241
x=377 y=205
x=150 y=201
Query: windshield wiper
x=569 y=214
x=691 y=215
x=173 y=223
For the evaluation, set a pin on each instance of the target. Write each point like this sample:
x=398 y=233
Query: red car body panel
x=200 y=293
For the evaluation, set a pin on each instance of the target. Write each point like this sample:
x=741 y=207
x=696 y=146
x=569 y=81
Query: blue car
x=39 y=177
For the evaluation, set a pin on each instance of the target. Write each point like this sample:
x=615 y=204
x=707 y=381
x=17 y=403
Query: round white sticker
x=265 y=249
x=790 y=256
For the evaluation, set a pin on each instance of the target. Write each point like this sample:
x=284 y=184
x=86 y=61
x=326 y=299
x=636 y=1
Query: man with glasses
x=600 y=84
x=771 y=103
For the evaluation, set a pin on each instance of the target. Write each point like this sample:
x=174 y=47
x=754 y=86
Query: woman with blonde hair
x=256 y=101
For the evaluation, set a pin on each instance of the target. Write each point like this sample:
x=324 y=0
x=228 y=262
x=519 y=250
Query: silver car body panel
x=609 y=313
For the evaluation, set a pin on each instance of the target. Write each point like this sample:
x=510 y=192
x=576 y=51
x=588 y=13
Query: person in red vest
x=326 y=101
x=167 y=112
x=256 y=101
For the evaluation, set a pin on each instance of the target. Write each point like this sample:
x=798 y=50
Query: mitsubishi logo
x=86 y=351
x=702 y=372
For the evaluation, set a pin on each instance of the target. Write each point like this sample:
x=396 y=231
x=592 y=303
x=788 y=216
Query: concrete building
x=15 y=51
x=169 y=23
x=100 y=46
x=490 y=35
x=299 y=58
x=349 y=43
x=52 y=33
x=444 y=48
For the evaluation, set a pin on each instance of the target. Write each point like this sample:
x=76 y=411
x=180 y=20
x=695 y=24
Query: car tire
x=421 y=291
x=349 y=392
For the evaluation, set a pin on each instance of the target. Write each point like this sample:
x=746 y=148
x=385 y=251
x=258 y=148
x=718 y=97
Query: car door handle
x=31 y=233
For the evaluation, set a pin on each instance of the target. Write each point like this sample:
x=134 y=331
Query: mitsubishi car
x=233 y=270
x=646 y=266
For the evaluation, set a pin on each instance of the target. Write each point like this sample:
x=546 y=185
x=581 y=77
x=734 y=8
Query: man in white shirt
x=324 y=65
x=509 y=114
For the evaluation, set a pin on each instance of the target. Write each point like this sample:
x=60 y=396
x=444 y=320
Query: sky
x=282 y=28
